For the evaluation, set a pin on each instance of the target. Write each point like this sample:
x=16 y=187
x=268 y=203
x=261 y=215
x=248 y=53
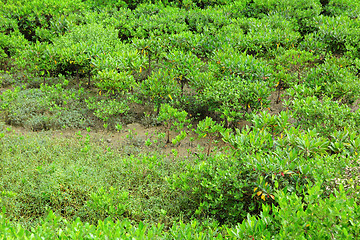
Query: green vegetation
x=251 y=108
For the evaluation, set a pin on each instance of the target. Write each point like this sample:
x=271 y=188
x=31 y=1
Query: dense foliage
x=287 y=69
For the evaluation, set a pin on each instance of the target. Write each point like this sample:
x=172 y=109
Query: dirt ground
x=138 y=138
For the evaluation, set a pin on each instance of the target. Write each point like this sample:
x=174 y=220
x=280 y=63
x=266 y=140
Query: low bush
x=335 y=79
x=261 y=35
x=326 y=115
x=50 y=107
x=342 y=7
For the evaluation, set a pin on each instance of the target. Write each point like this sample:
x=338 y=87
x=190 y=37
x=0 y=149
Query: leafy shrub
x=84 y=51
x=210 y=129
x=312 y=42
x=218 y=187
x=335 y=80
x=206 y=20
x=234 y=98
x=39 y=20
x=152 y=48
x=311 y=216
x=105 y=109
x=262 y=35
x=352 y=39
x=339 y=34
x=275 y=124
x=291 y=66
x=161 y=87
x=230 y=62
x=315 y=215
x=333 y=32
x=108 y=203
x=342 y=7
x=242 y=85
x=326 y=116
x=11 y=41
x=45 y=108
x=99 y=4
x=149 y=20
x=55 y=226
x=183 y=65
x=227 y=186
x=201 y=45
x=88 y=47
x=134 y=5
x=113 y=81
x=302 y=11
x=173 y=120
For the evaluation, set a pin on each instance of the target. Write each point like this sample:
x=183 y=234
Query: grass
x=41 y=173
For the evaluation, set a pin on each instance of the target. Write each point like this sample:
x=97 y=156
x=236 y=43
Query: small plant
x=160 y=87
x=108 y=203
x=115 y=82
x=334 y=79
x=210 y=129
x=148 y=142
x=173 y=119
x=131 y=135
x=290 y=68
x=327 y=115
x=151 y=48
x=184 y=65
x=118 y=127
x=276 y=124
x=105 y=109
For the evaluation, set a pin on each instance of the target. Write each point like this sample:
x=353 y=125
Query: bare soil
x=140 y=138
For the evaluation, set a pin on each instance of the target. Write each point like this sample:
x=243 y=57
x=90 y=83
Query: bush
x=326 y=116
x=114 y=82
x=183 y=65
x=242 y=84
x=11 y=41
x=334 y=79
x=161 y=87
x=39 y=20
x=84 y=51
x=50 y=107
x=291 y=66
x=348 y=8
x=333 y=32
x=315 y=216
x=261 y=35
x=219 y=187
x=234 y=98
x=303 y=12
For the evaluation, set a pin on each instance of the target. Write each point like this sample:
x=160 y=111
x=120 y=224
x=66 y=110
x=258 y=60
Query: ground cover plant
x=179 y=119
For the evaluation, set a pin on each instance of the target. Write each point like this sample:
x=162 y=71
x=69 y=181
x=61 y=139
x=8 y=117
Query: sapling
x=119 y=127
x=184 y=65
x=287 y=65
x=173 y=119
x=105 y=109
x=148 y=143
x=131 y=135
x=208 y=128
x=160 y=87
x=150 y=47
x=179 y=137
